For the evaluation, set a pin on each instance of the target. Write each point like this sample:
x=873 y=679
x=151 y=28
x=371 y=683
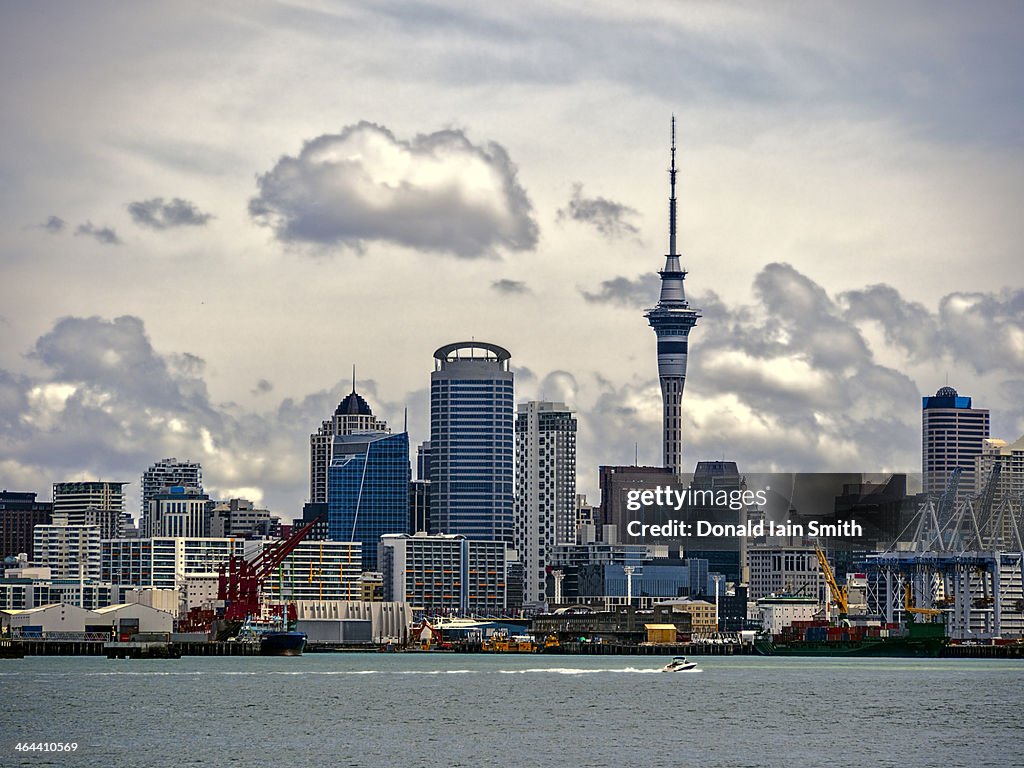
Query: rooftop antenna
x=672 y=196
x=636 y=454
x=353 y=378
x=405 y=420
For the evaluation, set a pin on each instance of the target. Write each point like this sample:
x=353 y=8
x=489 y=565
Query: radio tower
x=672 y=320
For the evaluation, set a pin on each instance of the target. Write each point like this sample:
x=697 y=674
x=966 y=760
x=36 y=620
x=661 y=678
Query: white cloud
x=435 y=192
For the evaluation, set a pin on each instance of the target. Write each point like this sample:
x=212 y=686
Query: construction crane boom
x=839 y=595
x=240 y=581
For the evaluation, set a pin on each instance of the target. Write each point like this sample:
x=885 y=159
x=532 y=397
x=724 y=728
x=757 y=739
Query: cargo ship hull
x=894 y=647
x=282 y=644
x=917 y=640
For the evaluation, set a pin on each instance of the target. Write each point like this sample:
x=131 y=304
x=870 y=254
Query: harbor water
x=413 y=709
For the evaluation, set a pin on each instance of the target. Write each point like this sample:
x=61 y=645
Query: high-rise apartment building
x=952 y=433
x=178 y=511
x=672 y=320
x=545 y=506
x=353 y=415
x=315 y=570
x=368 y=490
x=168 y=473
x=471 y=436
x=241 y=519
x=69 y=551
x=445 y=574
x=19 y=514
x=1009 y=457
x=93 y=502
x=165 y=562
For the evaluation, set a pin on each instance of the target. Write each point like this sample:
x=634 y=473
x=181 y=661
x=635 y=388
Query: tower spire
x=353 y=378
x=672 y=195
x=672 y=320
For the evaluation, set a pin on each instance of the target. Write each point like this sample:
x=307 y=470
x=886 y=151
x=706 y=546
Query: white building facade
x=546 y=503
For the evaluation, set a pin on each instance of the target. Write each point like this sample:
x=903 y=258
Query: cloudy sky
x=212 y=210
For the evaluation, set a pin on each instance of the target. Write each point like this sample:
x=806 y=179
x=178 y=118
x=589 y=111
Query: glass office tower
x=471 y=433
x=368 y=490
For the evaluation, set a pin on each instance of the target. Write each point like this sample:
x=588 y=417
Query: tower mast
x=672 y=319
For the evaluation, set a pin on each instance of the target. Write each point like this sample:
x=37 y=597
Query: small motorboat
x=679 y=664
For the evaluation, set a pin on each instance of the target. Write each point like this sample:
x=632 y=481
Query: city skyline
x=169 y=291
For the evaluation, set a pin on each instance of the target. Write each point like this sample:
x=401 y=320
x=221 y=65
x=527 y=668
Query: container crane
x=909 y=608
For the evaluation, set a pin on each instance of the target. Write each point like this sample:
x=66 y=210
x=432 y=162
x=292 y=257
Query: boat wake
x=346 y=672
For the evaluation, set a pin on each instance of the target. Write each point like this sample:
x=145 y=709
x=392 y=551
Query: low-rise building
x=389 y=621
x=703 y=619
x=779 y=611
x=778 y=569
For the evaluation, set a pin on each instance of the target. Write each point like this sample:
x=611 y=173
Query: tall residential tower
x=672 y=319
x=545 y=490
x=168 y=473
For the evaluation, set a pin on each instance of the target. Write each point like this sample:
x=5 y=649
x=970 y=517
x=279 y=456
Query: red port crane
x=240 y=581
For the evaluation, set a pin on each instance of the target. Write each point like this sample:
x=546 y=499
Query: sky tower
x=672 y=320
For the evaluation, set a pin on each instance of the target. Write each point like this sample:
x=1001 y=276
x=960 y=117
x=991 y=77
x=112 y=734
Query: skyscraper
x=368 y=490
x=952 y=433
x=352 y=415
x=93 y=502
x=69 y=551
x=545 y=506
x=19 y=514
x=672 y=319
x=178 y=511
x=167 y=473
x=471 y=433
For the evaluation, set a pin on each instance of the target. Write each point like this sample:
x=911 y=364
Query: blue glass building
x=471 y=433
x=368 y=490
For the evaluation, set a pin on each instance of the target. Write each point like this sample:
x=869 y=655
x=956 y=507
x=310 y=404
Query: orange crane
x=913 y=609
x=840 y=596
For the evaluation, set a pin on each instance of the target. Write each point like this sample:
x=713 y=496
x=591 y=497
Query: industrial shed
x=661 y=633
x=55 y=617
x=126 y=619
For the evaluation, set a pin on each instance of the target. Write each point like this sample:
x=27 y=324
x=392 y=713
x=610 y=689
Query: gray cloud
x=157 y=214
x=510 y=287
x=437 y=192
x=986 y=330
x=262 y=387
x=609 y=218
x=560 y=386
x=108 y=403
x=627 y=292
x=791 y=382
x=53 y=225
x=105 y=235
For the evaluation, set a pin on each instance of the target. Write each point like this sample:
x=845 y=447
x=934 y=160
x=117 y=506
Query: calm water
x=446 y=710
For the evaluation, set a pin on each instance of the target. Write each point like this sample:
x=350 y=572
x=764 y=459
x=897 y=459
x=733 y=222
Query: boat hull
x=896 y=648
x=283 y=644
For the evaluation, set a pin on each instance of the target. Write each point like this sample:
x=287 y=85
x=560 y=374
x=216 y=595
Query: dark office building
x=19 y=514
